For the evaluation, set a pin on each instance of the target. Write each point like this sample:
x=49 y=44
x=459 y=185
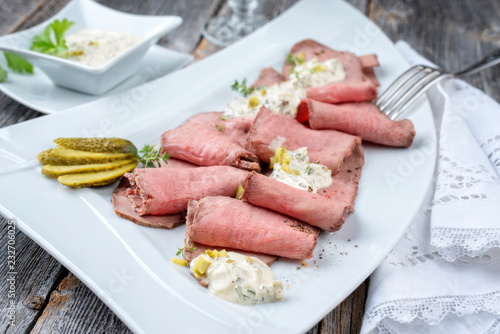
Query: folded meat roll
x=228 y=222
x=268 y=77
x=271 y=130
x=161 y=191
x=189 y=255
x=327 y=209
x=123 y=208
x=356 y=87
x=363 y=119
x=207 y=140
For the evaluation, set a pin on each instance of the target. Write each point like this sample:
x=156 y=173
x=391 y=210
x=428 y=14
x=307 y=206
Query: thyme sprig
x=150 y=154
x=242 y=88
x=182 y=249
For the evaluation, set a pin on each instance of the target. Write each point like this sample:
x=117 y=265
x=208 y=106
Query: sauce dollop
x=237 y=278
x=294 y=169
x=314 y=73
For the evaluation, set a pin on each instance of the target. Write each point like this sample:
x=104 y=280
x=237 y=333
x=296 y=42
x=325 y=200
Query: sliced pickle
x=63 y=156
x=57 y=170
x=95 y=179
x=103 y=145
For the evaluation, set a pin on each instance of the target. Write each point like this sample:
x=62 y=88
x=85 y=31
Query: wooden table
x=51 y=299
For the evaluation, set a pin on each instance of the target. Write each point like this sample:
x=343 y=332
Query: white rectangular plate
x=128 y=266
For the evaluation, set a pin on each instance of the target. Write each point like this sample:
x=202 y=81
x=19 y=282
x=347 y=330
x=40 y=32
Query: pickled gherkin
x=64 y=156
x=56 y=171
x=95 y=179
x=88 y=162
x=103 y=145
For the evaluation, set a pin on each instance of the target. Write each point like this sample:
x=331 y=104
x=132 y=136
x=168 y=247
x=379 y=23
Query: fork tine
x=403 y=88
x=395 y=85
x=408 y=100
x=409 y=89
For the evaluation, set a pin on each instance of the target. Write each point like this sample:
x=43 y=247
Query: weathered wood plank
x=451 y=34
x=28 y=282
x=13 y=13
x=194 y=13
x=73 y=308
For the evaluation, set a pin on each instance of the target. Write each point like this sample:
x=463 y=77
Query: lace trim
x=456 y=181
x=495 y=328
x=431 y=310
x=456 y=243
x=491 y=147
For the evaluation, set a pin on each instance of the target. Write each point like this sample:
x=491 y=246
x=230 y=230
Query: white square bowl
x=88 y=14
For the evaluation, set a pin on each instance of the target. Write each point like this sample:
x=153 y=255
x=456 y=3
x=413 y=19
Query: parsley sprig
x=242 y=88
x=150 y=154
x=182 y=249
x=3 y=74
x=51 y=41
x=16 y=64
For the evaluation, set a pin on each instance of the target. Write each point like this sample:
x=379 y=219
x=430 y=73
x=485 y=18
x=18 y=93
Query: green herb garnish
x=18 y=64
x=51 y=41
x=242 y=88
x=295 y=60
x=221 y=128
x=183 y=249
x=240 y=292
x=3 y=74
x=149 y=155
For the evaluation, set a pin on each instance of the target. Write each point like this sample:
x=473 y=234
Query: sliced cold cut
x=123 y=208
x=271 y=130
x=268 y=77
x=207 y=140
x=228 y=222
x=200 y=249
x=327 y=209
x=362 y=119
x=160 y=191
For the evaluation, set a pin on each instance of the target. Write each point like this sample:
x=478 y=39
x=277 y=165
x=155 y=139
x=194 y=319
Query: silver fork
x=414 y=82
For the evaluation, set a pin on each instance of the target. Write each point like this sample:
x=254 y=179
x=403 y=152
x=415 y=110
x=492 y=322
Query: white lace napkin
x=444 y=274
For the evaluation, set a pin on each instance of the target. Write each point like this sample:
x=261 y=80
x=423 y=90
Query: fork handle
x=490 y=60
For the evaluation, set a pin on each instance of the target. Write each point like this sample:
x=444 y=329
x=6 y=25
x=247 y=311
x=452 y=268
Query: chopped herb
x=240 y=293
x=220 y=127
x=223 y=117
x=18 y=64
x=56 y=46
x=298 y=268
x=183 y=248
x=295 y=60
x=242 y=88
x=150 y=155
x=252 y=292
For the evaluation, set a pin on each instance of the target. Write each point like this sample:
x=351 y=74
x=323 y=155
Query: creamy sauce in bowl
x=94 y=47
x=237 y=278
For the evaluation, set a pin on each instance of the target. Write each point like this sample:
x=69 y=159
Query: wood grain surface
x=49 y=299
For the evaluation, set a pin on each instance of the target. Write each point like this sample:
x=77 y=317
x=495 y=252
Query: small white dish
x=38 y=92
x=88 y=14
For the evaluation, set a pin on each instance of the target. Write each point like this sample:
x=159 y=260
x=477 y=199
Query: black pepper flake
x=349 y=171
